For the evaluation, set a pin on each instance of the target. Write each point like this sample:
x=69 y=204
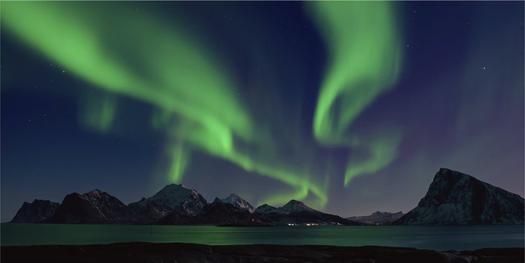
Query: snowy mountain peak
x=96 y=193
x=173 y=197
x=237 y=201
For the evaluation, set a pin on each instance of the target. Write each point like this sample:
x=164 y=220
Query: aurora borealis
x=349 y=106
x=362 y=65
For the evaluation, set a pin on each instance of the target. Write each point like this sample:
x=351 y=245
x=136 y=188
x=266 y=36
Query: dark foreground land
x=149 y=252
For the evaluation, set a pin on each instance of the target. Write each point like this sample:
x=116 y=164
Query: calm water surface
x=436 y=237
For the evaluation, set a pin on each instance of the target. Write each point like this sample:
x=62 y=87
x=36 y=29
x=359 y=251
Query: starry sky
x=351 y=107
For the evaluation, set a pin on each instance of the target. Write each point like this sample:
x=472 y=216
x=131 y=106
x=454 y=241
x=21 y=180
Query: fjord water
x=426 y=237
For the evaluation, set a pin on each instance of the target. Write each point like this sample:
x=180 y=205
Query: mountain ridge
x=378 y=218
x=452 y=198
x=236 y=201
x=173 y=204
x=172 y=198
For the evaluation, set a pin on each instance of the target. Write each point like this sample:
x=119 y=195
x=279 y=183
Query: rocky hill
x=94 y=207
x=454 y=198
x=35 y=212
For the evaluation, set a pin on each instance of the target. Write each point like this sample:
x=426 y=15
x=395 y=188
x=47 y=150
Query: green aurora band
x=167 y=67
x=381 y=151
x=98 y=112
x=364 y=61
x=198 y=106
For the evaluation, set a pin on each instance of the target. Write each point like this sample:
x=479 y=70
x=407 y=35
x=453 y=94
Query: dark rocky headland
x=455 y=198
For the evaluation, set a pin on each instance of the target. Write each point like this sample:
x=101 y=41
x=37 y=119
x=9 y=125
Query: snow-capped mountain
x=172 y=198
x=237 y=201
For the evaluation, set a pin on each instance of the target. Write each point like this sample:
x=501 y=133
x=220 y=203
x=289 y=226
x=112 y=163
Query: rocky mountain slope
x=237 y=201
x=172 y=199
x=377 y=218
x=35 y=212
x=216 y=213
x=454 y=198
x=297 y=213
x=94 y=207
x=293 y=206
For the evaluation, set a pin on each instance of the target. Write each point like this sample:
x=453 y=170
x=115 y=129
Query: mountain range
x=452 y=198
x=173 y=204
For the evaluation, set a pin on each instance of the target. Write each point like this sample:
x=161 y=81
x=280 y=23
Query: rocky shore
x=149 y=252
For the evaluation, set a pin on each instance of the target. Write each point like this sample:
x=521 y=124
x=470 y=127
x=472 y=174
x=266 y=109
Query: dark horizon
x=271 y=101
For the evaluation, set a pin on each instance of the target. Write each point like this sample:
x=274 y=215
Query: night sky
x=351 y=107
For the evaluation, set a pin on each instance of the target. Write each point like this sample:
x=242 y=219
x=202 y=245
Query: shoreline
x=181 y=252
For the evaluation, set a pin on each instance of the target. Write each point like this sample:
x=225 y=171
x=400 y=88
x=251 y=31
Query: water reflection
x=438 y=237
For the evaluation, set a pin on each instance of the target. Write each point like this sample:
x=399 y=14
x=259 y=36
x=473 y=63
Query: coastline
x=180 y=252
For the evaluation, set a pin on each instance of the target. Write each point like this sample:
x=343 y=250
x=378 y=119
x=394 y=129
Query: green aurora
x=197 y=98
x=365 y=55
